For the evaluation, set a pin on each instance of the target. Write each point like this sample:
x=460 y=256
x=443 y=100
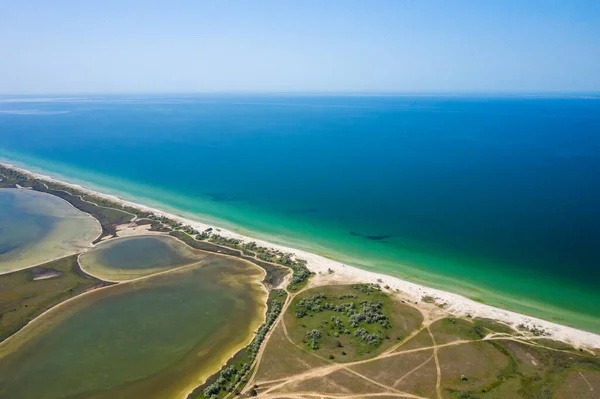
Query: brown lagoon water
x=153 y=338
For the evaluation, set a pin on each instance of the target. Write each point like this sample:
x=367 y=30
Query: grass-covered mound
x=346 y=323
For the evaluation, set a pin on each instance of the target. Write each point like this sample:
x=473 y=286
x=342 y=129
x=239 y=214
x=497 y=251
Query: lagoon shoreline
x=343 y=273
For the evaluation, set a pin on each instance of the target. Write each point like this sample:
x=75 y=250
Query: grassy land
x=281 y=358
x=22 y=298
x=471 y=364
x=347 y=323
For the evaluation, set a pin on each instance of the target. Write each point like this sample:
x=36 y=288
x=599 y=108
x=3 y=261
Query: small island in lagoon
x=222 y=316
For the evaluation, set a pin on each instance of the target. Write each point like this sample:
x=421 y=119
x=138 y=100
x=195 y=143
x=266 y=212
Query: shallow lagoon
x=36 y=227
x=156 y=337
x=133 y=257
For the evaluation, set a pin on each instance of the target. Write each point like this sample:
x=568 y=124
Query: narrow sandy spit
x=456 y=304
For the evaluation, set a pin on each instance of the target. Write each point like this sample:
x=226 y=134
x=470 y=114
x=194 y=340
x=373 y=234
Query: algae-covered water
x=158 y=337
x=36 y=227
x=133 y=257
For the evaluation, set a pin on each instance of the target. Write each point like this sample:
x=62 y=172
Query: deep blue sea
x=495 y=198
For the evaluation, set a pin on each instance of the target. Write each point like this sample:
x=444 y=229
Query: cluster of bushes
x=202 y=236
x=230 y=376
x=348 y=296
x=171 y=223
x=368 y=311
x=367 y=288
x=12 y=174
x=311 y=304
x=312 y=338
x=220 y=240
x=359 y=313
x=337 y=323
x=298 y=266
x=535 y=330
x=276 y=307
x=190 y=231
x=372 y=339
x=228 y=379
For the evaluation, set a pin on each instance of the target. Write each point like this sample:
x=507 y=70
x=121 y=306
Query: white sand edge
x=457 y=304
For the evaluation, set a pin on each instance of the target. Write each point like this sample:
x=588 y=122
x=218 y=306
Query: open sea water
x=495 y=198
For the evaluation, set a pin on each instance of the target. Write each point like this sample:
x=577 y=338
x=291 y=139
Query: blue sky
x=310 y=46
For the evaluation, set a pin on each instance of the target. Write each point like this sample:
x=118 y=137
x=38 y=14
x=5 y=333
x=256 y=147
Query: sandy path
x=429 y=317
x=438 y=382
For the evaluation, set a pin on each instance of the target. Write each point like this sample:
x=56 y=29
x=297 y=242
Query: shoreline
x=455 y=304
x=85 y=248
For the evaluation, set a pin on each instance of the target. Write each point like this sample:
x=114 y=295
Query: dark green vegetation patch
x=345 y=323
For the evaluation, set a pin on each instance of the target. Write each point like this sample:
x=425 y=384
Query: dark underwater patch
x=372 y=238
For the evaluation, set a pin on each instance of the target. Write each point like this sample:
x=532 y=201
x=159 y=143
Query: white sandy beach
x=456 y=304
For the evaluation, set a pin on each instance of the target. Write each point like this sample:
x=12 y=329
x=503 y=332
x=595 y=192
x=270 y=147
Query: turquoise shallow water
x=491 y=197
x=37 y=227
x=20 y=227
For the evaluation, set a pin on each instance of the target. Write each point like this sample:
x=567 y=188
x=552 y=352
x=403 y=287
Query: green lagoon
x=134 y=257
x=36 y=227
x=155 y=337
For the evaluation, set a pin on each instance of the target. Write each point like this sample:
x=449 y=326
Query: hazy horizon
x=385 y=47
x=513 y=93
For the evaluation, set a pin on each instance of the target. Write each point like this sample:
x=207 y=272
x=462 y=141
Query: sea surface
x=493 y=197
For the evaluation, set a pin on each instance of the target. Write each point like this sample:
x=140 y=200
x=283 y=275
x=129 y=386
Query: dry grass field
x=424 y=353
